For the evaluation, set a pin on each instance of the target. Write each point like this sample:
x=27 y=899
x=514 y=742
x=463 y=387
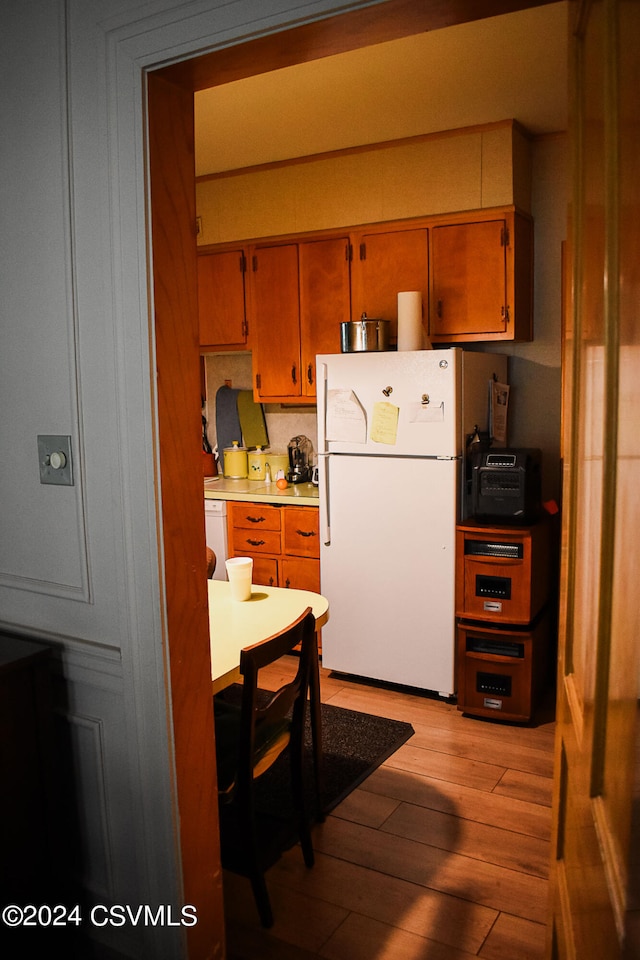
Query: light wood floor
x=441 y=854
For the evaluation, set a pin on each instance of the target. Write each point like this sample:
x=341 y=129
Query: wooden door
x=469 y=279
x=221 y=299
x=325 y=301
x=595 y=882
x=275 y=314
x=385 y=264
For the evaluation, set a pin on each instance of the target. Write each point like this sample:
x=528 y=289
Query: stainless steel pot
x=364 y=335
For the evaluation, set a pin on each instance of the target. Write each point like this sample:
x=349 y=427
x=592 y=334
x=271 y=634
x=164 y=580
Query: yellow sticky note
x=384 y=424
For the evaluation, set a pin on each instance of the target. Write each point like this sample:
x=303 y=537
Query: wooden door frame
x=172 y=208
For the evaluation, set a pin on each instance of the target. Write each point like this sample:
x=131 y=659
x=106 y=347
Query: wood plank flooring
x=441 y=854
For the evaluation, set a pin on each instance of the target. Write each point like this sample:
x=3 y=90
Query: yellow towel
x=251 y=414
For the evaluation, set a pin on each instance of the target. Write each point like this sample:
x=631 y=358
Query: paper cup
x=239 y=572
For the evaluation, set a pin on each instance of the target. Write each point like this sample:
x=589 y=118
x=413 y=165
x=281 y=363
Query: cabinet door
x=301 y=532
x=265 y=571
x=221 y=298
x=325 y=301
x=469 y=296
x=386 y=264
x=300 y=574
x=275 y=309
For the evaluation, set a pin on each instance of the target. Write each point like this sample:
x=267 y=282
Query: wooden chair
x=249 y=739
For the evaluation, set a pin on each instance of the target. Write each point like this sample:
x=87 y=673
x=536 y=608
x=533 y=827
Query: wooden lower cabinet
x=283 y=542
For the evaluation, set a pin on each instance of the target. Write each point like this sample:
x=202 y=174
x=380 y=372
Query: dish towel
x=254 y=427
x=228 y=426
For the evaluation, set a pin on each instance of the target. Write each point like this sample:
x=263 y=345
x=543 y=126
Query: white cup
x=239 y=572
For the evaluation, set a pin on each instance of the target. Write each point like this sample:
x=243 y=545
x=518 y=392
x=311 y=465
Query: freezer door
x=389 y=569
x=390 y=404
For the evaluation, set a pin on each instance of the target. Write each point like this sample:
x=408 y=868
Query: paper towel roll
x=410 y=335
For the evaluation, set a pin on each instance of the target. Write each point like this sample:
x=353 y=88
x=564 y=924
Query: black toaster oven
x=506 y=486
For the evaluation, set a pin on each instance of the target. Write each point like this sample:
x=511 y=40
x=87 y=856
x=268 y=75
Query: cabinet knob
x=255 y=543
x=294 y=376
x=306 y=533
x=310 y=374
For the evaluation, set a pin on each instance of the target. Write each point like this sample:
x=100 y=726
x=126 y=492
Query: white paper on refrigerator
x=346 y=417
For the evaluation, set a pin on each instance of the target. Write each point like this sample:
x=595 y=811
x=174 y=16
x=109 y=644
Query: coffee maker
x=300 y=450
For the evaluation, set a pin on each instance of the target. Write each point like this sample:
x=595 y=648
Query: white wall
x=535 y=367
x=79 y=566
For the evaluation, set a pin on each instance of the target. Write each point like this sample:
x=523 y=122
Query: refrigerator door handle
x=325 y=509
x=323 y=452
x=321 y=401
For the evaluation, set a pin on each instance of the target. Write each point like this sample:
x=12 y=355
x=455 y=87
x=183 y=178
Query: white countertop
x=300 y=494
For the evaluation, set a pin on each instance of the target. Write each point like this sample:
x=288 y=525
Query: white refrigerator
x=392 y=430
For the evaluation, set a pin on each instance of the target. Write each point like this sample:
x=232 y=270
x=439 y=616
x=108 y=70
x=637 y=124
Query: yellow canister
x=235 y=462
x=257 y=460
x=277 y=462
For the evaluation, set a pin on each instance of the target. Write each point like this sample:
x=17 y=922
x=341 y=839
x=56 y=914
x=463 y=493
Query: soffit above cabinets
x=511 y=66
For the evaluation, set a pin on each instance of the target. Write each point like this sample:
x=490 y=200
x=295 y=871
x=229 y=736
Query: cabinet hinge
x=363 y=251
x=243 y=263
x=504 y=237
x=348 y=253
x=254 y=263
x=258 y=381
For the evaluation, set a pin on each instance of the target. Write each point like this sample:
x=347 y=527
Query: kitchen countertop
x=300 y=494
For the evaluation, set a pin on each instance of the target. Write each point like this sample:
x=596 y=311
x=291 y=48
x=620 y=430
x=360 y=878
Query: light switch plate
x=54 y=456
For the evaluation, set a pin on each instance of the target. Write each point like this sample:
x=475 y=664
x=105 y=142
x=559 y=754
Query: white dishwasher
x=215 y=519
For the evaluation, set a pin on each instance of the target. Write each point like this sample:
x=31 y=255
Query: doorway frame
x=175 y=387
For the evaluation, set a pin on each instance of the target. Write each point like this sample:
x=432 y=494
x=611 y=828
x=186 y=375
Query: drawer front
x=246 y=542
x=255 y=516
x=301 y=532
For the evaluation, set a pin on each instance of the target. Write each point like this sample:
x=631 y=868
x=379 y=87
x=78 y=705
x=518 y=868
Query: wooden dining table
x=235 y=624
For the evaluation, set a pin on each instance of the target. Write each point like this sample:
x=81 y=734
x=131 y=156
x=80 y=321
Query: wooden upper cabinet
x=285 y=298
x=275 y=311
x=300 y=293
x=481 y=280
x=386 y=263
x=221 y=299
x=325 y=301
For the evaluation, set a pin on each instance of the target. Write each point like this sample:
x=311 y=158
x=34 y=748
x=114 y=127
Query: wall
x=534 y=172
x=81 y=566
x=283 y=423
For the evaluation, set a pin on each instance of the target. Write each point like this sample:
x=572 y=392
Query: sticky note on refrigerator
x=384 y=423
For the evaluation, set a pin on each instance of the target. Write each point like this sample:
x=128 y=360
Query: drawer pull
x=255 y=519
x=306 y=533
x=255 y=543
